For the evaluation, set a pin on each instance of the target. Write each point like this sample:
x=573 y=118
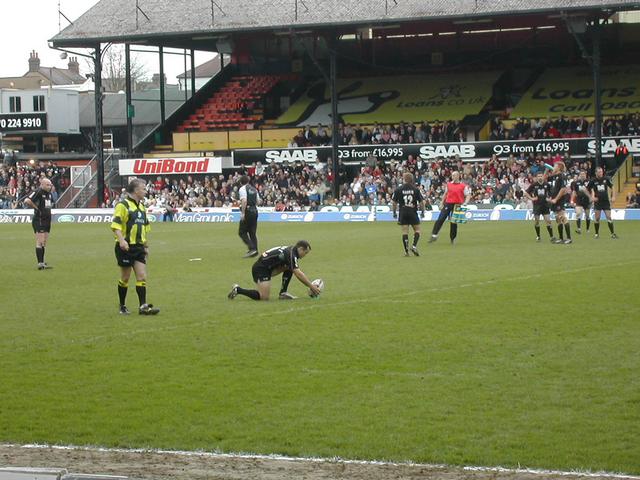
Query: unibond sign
x=169 y=166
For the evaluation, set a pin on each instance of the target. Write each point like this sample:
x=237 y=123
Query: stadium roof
x=119 y=21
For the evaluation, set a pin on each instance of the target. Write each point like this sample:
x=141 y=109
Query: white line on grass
x=248 y=456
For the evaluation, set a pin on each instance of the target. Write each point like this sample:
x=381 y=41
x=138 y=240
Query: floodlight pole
x=129 y=108
x=99 y=127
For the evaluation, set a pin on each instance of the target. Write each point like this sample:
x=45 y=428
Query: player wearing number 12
x=408 y=197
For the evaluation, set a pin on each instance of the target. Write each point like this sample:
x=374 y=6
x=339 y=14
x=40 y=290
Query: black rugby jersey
x=407 y=196
x=42 y=199
x=279 y=257
x=600 y=187
x=540 y=192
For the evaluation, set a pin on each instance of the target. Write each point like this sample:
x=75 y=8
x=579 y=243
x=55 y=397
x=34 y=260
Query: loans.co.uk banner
x=394 y=99
x=569 y=91
x=469 y=151
x=169 y=166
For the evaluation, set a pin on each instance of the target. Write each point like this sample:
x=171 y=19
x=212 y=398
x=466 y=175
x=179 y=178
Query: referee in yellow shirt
x=131 y=226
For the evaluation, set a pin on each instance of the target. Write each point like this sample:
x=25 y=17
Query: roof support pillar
x=99 y=128
x=127 y=73
x=597 y=89
x=193 y=73
x=163 y=113
x=333 y=74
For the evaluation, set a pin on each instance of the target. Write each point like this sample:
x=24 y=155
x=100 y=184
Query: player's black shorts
x=408 y=216
x=260 y=273
x=602 y=206
x=541 y=208
x=558 y=207
x=250 y=222
x=127 y=259
x=40 y=226
x=584 y=204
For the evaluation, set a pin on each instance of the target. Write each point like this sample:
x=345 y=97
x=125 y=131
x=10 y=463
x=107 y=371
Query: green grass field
x=498 y=351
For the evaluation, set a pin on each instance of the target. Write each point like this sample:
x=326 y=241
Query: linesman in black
x=599 y=187
x=130 y=226
x=539 y=192
x=41 y=202
x=581 y=198
x=273 y=262
x=409 y=198
x=249 y=199
x=559 y=198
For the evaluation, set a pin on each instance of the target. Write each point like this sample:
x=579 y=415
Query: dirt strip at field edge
x=158 y=466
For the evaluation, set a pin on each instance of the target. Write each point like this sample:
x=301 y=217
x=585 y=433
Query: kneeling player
x=273 y=262
x=408 y=196
x=538 y=193
x=600 y=188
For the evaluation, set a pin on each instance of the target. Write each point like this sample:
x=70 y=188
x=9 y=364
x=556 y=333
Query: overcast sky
x=28 y=24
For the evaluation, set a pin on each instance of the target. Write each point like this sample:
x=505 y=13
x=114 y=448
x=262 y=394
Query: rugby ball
x=318 y=282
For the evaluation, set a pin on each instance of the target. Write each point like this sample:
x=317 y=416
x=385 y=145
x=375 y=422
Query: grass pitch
x=497 y=351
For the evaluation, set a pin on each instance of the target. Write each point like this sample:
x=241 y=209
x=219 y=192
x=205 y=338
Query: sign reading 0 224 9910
x=20 y=122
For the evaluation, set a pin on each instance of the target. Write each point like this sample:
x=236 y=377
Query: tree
x=114 y=69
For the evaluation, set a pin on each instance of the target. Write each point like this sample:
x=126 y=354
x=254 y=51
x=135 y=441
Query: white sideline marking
x=248 y=456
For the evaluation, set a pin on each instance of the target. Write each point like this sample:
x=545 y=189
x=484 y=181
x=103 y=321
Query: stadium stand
x=393 y=99
x=563 y=127
x=569 y=91
x=237 y=105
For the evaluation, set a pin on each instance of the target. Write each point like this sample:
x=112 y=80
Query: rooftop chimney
x=34 y=61
x=73 y=65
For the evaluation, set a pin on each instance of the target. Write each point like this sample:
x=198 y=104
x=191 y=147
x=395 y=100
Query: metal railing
x=624 y=172
x=77 y=184
x=86 y=193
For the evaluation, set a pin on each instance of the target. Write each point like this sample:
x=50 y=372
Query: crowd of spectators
x=18 y=181
x=300 y=186
x=294 y=186
x=383 y=134
x=498 y=180
x=287 y=187
x=563 y=127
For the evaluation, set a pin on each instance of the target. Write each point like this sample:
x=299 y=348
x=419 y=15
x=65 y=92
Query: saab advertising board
x=469 y=151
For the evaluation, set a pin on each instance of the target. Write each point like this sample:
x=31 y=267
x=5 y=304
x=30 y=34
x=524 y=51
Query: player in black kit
x=581 y=198
x=273 y=262
x=559 y=197
x=600 y=186
x=409 y=198
x=249 y=199
x=539 y=193
x=41 y=202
